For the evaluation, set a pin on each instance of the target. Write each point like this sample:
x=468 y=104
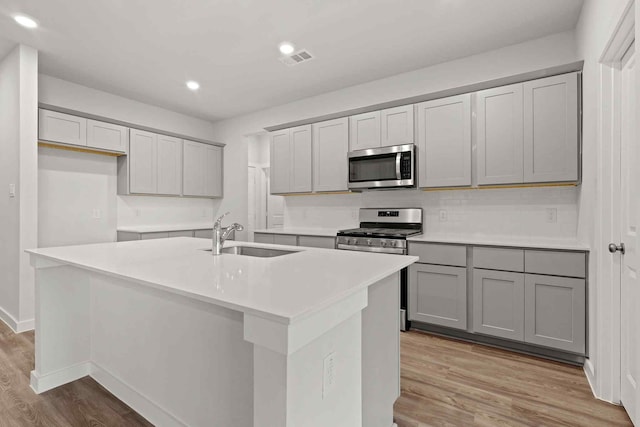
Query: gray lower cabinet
x=498 y=303
x=438 y=295
x=317 y=242
x=263 y=238
x=295 y=240
x=555 y=312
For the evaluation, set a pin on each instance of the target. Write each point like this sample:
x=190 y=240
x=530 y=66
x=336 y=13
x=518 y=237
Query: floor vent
x=296 y=58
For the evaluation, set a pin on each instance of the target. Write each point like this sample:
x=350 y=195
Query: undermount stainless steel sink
x=254 y=251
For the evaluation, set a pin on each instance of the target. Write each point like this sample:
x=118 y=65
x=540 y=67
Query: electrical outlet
x=552 y=215
x=443 y=215
x=12 y=190
x=96 y=214
x=137 y=212
x=328 y=374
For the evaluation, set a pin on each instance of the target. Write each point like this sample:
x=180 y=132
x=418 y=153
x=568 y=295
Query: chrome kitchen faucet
x=220 y=236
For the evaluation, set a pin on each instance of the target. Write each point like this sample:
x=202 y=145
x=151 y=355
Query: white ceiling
x=145 y=50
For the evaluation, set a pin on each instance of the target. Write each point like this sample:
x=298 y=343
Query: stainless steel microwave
x=382 y=168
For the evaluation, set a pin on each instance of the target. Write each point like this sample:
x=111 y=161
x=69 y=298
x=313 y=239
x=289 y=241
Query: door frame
x=604 y=302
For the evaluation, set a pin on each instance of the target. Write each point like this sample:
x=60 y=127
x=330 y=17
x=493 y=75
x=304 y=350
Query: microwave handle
x=398 y=171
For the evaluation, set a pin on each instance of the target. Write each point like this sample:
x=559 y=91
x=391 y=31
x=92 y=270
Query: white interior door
x=630 y=262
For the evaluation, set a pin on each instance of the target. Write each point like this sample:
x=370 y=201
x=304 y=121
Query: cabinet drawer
x=148 y=236
x=203 y=234
x=499 y=259
x=435 y=253
x=263 y=238
x=317 y=242
x=285 y=239
x=571 y=264
x=185 y=233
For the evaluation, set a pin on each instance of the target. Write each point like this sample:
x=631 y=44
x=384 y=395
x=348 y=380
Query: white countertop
x=166 y=227
x=285 y=289
x=511 y=241
x=326 y=232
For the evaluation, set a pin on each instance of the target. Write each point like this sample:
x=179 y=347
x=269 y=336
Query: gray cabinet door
x=213 y=171
x=498 y=304
x=192 y=168
x=555 y=312
x=107 y=136
x=60 y=127
x=330 y=148
x=143 y=162
x=438 y=295
x=396 y=125
x=364 y=131
x=280 y=166
x=551 y=129
x=301 y=177
x=285 y=239
x=169 y=163
x=317 y=242
x=444 y=142
x=500 y=135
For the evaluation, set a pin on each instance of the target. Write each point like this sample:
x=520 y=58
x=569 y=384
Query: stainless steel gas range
x=385 y=230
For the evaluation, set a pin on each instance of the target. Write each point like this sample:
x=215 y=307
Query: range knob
x=369 y=242
x=385 y=243
x=353 y=241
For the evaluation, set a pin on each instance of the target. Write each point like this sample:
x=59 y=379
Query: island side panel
x=292 y=390
x=62 y=334
x=381 y=352
x=187 y=359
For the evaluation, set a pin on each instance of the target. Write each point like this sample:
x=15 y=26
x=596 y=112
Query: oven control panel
x=372 y=244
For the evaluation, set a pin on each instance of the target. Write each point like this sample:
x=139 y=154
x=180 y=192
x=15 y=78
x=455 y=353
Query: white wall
x=71 y=186
x=130 y=210
x=18 y=166
x=597 y=23
x=521 y=211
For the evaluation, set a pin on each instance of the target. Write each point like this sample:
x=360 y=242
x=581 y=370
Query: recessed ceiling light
x=25 y=21
x=193 y=85
x=286 y=48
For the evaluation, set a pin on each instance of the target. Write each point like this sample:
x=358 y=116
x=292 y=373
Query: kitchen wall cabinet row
x=295 y=240
x=536 y=297
x=310 y=158
x=67 y=129
x=151 y=163
x=163 y=165
x=525 y=133
x=207 y=233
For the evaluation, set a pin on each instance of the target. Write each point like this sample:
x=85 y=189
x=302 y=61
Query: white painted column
x=291 y=384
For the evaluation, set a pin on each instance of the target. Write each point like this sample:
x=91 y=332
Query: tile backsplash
x=528 y=212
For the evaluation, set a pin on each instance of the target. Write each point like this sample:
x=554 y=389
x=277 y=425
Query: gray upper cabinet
x=62 y=128
x=301 y=176
x=330 y=148
x=396 y=125
x=169 y=165
x=551 y=143
x=291 y=154
x=202 y=170
x=107 y=136
x=438 y=295
x=213 y=171
x=280 y=165
x=444 y=142
x=498 y=304
x=500 y=135
x=364 y=131
x=555 y=312
x=143 y=162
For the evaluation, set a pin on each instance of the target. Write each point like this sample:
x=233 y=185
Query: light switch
x=12 y=190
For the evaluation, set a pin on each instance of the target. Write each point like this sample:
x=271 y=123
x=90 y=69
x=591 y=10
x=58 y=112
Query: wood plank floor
x=81 y=403
x=452 y=383
x=444 y=383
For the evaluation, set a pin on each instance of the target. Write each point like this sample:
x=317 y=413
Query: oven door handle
x=398 y=171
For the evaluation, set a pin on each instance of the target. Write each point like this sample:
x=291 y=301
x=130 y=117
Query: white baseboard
x=42 y=383
x=16 y=326
x=152 y=412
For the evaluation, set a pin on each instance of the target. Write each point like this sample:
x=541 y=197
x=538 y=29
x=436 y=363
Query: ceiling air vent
x=296 y=58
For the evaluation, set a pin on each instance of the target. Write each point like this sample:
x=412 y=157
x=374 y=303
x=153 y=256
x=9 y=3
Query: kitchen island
x=306 y=338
